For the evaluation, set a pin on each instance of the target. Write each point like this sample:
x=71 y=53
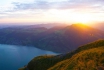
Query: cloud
x=40 y=6
x=67 y=4
x=31 y=6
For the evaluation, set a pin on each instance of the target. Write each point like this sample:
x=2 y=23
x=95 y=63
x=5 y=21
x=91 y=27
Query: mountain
x=59 y=39
x=68 y=38
x=86 y=57
x=48 y=25
x=24 y=35
x=99 y=26
x=18 y=35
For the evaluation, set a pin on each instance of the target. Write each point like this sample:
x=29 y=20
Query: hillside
x=25 y=35
x=59 y=39
x=99 y=26
x=69 y=38
x=86 y=57
x=92 y=59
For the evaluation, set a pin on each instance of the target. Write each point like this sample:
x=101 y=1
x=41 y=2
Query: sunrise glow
x=62 y=11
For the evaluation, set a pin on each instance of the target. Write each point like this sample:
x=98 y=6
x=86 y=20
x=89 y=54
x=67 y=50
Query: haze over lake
x=14 y=57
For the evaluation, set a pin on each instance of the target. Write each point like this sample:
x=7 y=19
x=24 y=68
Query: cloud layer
x=37 y=8
x=69 y=4
x=77 y=5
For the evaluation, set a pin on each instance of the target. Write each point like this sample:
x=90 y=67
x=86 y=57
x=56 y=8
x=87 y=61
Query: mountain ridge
x=89 y=56
x=70 y=35
x=59 y=39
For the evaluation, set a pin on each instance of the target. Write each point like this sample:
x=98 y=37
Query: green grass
x=86 y=57
x=42 y=62
x=90 y=59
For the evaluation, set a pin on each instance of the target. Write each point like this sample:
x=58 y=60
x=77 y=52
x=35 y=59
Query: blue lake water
x=14 y=57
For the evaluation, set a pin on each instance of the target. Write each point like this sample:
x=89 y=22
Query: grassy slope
x=93 y=51
x=90 y=59
x=43 y=60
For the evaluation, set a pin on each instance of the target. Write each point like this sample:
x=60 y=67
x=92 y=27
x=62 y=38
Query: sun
x=68 y=16
x=82 y=18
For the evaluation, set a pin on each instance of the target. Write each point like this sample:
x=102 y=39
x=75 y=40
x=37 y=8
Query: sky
x=49 y=11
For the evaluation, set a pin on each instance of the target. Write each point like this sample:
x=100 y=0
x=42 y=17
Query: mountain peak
x=79 y=28
x=79 y=25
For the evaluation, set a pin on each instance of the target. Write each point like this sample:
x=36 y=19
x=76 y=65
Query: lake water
x=14 y=57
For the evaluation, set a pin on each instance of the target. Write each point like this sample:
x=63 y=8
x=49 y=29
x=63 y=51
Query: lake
x=14 y=57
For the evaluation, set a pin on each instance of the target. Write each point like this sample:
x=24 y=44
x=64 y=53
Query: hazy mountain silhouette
x=57 y=39
x=69 y=38
x=99 y=26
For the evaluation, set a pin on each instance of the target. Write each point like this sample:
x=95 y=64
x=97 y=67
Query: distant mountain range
x=86 y=57
x=60 y=38
x=99 y=26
